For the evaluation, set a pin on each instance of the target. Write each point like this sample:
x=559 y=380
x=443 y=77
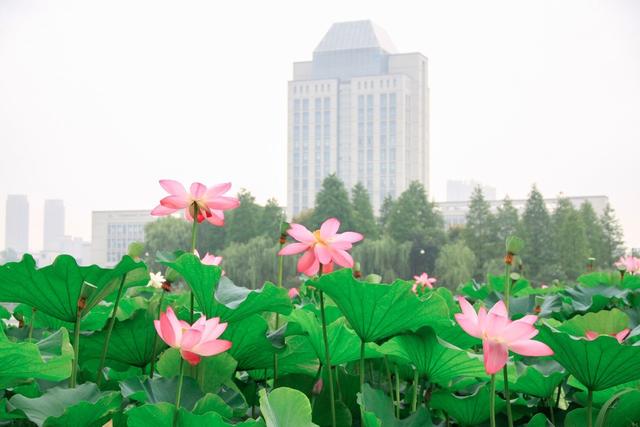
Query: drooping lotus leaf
x=598 y=364
x=377 y=311
x=95 y=320
x=131 y=342
x=162 y=415
x=623 y=409
x=156 y=390
x=471 y=410
x=219 y=297
x=600 y=397
x=321 y=407
x=285 y=407
x=250 y=345
x=213 y=403
x=210 y=373
x=379 y=412
x=539 y=420
x=600 y=278
x=578 y=418
x=607 y=322
x=84 y=405
x=298 y=357
x=539 y=380
x=56 y=288
x=343 y=342
x=49 y=359
x=437 y=361
x=594 y=298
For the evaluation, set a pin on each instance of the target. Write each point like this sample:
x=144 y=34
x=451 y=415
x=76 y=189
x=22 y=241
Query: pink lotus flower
x=294 y=293
x=620 y=336
x=317 y=387
x=208 y=259
x=200 y=202
x=193 y=341
x=630 y=264
x=499 y=334
x=424 y=281
x=322 y=247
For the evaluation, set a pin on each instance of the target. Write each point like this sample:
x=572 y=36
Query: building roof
x=355 y=35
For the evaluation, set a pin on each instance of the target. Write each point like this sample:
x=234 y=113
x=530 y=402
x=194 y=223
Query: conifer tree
x=570 y=240
x=595 y=234
x=332 y=201
x=364 y=221
x=612 y=243
x=537 y=234
x=507 y=221
x=479 y=232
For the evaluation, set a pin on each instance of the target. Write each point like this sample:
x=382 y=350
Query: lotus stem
x=414 y=399
x=551 y=412
x=282 y=240
x=386 y=367
x=361 y=372
x=590 y=408
x=194 y=236
x=179 y=392
x=492 y=401
x=112 y=321
x=507 y=396
x=76 y=350
x=327 y=359
x=33 y=320
x=395 y=368
x=337 y=374
x=155 y=339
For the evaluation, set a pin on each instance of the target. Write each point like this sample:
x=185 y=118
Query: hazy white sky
x=99 y=100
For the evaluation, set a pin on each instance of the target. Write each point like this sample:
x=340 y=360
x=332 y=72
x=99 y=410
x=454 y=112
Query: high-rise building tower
x=17 y=224
x=53 y=236
x=360 y=110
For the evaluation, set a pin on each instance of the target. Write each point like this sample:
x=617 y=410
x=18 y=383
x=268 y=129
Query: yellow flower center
x=319 y=239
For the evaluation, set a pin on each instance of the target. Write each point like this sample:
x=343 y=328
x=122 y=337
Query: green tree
x=363 y=219
x=272 y=216
x=594 y=232
x=332 y=201
x=507 y=221
x=385 y=211
x=456 y=264
x=385 y=257
x=537 y=233
x=613 y=242
x=570 y=238
x=243 y=222
x=166 y=235
x=478 y=233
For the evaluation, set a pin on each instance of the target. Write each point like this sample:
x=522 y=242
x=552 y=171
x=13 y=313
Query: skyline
x=565 y=82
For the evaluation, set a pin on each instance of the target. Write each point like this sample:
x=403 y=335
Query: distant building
x=53 y=234
x=455 y=213
x=17 y=224
x=460 y=191
x=360 y=110
x=113 y=231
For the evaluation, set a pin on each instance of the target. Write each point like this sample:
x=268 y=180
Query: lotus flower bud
x=317 y=387
x=514 y=245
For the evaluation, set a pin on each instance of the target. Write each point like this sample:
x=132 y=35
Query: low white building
x=113 y=231
x=455 y=213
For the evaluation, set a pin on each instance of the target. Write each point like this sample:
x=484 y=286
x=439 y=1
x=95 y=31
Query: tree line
x=408 y=236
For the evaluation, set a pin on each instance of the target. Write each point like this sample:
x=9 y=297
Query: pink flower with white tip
x=500 y=335
x=199 y=202
x=322 y=247
x=208 y=259
x=193 y=341
x=620 y=336
x=294 y=293
x=424 y=281
x=630 y=264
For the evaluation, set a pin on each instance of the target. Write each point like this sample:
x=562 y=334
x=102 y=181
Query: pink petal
x=516 y=331
x=175 y=325
x=223 y=203
x=329 y=228
x=495 y=325
x=327 y=268
x=164 y=329
x=216 y=218
x=173 y=187
x=190 y=338
x=342 y=258
x=495 y=356
x=293 y=292
x=175 y=202
x=590 y=335
x=308 y=262
x=339 y=244
x=301 y=233
x=190 y=357
x=499 y=309
x=217 y=190
x=293 y=248
x=197 y=190
x=529 y=318
x=468 y=310
x=348 y=236
x=468 y=324
x=214 y=329
x=210 y=348
x=322 y=253
x=162 y=211
x=530 y=348
x=620 y=336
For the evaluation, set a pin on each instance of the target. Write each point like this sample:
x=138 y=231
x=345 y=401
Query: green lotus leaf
x=84 y=405
x=298 y=357
x=471 y=410
x=578 y=418
x=48 y=359
x=131 y=342
x=55 y=289
x=377 y=311
x=378 y=410
x=162 y=415
x=539 y=420
x=600 y=278
x=95 y=320
x=597 y=364
x=594 y=298
x=211 y=373
x=250 y=345
x=343 y=342
x=285 y=407
x=539 y=380
x=213 y=403
x=622 y=409
x=158 y=390
x=603 y=322
x=436 y=360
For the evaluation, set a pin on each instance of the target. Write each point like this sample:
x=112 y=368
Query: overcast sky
x=99 y=100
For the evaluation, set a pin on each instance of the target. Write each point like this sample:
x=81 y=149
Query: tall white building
x=358 y=109
x=113 y=231
x=53 y=234
x=16 y=232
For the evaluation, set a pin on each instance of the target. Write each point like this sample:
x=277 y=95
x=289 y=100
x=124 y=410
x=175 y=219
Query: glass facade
x=119 y=237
